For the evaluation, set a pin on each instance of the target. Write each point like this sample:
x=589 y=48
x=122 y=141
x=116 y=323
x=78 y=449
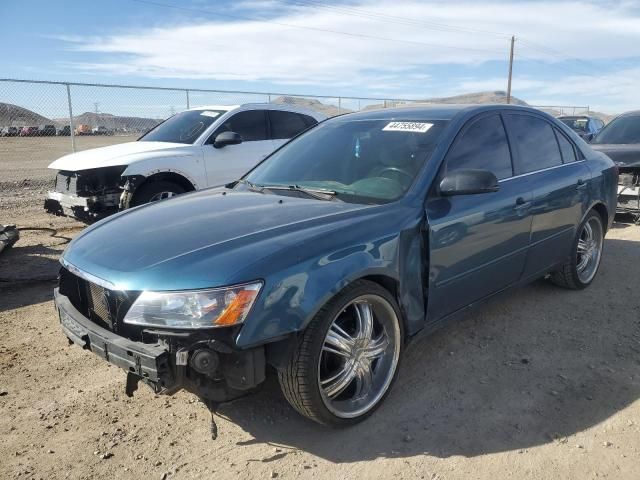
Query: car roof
x=434 y=111
x=632 y=113
x=266 y=106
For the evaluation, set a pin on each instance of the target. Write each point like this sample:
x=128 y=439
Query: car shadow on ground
x=532 y=366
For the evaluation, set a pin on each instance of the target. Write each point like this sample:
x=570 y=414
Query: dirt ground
x=539 y=383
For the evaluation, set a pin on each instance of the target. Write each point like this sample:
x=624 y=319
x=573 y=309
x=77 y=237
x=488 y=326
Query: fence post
x=188 y=104
x=71 y=126
x=339 y=105
x=269 y=97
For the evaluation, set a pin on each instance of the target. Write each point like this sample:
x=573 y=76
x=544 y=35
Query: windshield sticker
x=407 y=127
x=207 y=113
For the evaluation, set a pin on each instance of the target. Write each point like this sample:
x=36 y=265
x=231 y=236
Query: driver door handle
x=581 y=184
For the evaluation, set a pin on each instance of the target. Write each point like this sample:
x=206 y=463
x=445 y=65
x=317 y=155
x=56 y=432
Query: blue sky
x=567 y=52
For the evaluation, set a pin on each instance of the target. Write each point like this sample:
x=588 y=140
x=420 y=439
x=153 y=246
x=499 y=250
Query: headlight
x=216 y=307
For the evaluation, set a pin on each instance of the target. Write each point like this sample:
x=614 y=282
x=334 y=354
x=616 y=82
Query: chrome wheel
x=161 y=196
x=589 y=249
x=359 y=356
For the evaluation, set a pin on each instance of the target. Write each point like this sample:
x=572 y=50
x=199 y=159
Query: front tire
x=581 y=266
x=154 y=191
x=347 y=358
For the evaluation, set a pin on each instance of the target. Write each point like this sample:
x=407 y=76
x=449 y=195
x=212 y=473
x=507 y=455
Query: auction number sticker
x=407 y=127
x=207 y=113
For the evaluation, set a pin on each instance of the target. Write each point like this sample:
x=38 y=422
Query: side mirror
x=227 y=138
x=589 y=136
x=468 y=181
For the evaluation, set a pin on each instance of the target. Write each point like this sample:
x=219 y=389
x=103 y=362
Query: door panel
x=559 y=185
x=560 y=200
x=477 y=243
x=229 y=163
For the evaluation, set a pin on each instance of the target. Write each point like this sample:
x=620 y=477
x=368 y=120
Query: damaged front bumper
x=629 y=192
x=87 y=209
x=204 y=366
x=87 y=195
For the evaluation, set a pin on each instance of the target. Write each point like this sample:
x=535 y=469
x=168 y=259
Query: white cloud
x=238 y=50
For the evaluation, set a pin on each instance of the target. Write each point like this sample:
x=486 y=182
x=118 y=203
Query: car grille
x=105 y=307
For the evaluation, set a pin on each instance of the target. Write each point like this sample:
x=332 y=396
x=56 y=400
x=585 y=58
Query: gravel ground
x=539 y=383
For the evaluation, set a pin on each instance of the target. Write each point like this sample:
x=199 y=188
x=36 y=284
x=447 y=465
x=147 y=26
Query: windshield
x=369 y=161
x=579 y=124
x=184 y=127
x=620 y=130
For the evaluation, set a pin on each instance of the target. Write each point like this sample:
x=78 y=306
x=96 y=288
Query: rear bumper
x=151 y=363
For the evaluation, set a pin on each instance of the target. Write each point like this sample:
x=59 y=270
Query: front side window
x=536 y=143
x=287 y=124
x=362 y=161
x=483 y=146
x=251 y=125
x=621 y=130
x=184 y=127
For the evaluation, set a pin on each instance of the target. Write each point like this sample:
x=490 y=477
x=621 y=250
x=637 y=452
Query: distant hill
x=15 y=116
x=312 y=104
x=464 y=99
x=467 y=98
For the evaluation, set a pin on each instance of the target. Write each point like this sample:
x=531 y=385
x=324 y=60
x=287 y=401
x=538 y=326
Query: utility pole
x=513 y=41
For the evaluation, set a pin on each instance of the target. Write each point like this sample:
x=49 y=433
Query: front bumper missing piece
x=167 y=366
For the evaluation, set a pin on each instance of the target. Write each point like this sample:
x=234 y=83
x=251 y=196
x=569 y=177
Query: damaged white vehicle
x=194 y=149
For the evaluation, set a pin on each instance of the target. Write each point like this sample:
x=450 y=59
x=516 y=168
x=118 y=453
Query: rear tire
x=347 y=358
x=154 y=191
x=581 y=267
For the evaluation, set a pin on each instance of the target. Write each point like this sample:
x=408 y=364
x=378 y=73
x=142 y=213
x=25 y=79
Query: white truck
x=194 y=149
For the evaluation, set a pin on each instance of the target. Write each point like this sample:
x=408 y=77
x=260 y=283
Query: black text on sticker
x=407 y=127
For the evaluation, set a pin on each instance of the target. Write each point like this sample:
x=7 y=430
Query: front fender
x=292 y=298
x=190 y=167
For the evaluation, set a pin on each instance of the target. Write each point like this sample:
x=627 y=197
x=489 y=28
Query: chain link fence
x=41 y=121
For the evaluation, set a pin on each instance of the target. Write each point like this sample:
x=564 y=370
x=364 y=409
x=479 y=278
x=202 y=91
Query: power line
x=395 y=19
x=318 y=29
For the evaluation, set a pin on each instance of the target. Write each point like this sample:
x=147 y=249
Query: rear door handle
x=522 y=204
x=581 y=184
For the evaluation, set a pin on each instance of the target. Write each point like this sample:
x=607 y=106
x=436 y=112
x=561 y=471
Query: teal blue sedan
x=330 y=255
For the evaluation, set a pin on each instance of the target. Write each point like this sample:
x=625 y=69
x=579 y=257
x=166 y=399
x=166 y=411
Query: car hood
x=627 y=155
x=121 y=154
x=207 y=238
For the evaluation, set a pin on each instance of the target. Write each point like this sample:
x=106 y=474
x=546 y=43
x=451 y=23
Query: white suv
x=197 y=148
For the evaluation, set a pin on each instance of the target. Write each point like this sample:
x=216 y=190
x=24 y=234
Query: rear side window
x=535 y=141
x=482 y=146
x=288 y=124
x=566 y=148
x=251 y=125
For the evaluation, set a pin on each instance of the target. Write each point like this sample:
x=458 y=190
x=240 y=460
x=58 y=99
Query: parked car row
x=323 y=255
x=52 y=131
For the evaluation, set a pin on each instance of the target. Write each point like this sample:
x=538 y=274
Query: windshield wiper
x=317 y=193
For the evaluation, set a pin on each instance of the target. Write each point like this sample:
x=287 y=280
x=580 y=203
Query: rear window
x=621 y=130
x=535 y=142
x=288 y=124
x=566 y=148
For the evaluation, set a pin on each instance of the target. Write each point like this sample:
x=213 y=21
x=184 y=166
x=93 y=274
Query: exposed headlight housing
x=215 y=307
